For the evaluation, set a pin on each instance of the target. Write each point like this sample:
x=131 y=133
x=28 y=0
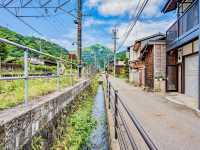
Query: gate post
x=107 y=87
x=116 y=113
x=26 y=77
x=58 y=75
x=71 y=74
x=109 y=98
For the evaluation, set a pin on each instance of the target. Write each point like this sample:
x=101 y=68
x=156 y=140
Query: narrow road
x=171 y=126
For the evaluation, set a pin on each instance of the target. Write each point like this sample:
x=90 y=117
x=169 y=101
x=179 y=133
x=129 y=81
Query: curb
x=195 y=110
x=175 y=101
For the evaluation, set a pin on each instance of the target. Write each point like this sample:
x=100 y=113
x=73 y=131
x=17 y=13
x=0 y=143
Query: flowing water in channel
x=99 y=137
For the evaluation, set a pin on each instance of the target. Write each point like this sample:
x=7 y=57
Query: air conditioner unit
x=180 y=56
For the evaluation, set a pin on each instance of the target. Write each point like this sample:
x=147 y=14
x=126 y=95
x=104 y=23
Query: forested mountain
x=97 y=52
x=33 y=42
x=101 y=54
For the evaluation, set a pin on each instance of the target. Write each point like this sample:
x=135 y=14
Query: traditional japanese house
x=136 y=66
x=182 y=47
x=147 y=60
x=153 y=54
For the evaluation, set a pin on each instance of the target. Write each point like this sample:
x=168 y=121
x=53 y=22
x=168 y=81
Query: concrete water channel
x=20 y=124
x=99 y=137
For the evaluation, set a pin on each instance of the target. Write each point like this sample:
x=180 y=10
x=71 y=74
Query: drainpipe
x=199 y=60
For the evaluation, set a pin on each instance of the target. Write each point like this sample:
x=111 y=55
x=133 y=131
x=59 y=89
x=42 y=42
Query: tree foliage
x=32 y=42
x=121 y=56
x=99 y=52
x=3 y=51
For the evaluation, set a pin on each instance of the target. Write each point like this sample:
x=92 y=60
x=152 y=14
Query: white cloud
x=92 y=36
x=153 y=8
x=120 y=7
x=115 y=7
x=93 y=3
x=91 y=21
x=94 y=33
x=66 y=40
x=143 y=29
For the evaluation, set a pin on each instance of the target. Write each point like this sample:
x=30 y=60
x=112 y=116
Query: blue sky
x=100 y=17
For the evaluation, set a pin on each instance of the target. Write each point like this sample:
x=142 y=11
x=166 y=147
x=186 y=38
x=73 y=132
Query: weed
x=12 y=92
x=78 y=126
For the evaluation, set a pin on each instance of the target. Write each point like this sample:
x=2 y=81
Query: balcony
x=185 y=26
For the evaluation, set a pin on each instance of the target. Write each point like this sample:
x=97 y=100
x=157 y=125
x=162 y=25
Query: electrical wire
x=21 y=20
x=136 y=10
x=27 y=24
x=133 y=24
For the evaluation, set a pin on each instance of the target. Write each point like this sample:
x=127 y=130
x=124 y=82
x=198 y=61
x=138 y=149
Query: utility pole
x=108 y=63
x=199 y=64
x=79 y=36
x=115 y=45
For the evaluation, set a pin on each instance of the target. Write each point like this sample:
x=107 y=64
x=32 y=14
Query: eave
x=170 y=6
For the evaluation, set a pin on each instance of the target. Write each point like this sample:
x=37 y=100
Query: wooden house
x=147 y=61
x=182 y=48
x=153 y=55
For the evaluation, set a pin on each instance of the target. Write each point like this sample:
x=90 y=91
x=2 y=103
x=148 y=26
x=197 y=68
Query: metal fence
x=26 y=77
x=125 y=121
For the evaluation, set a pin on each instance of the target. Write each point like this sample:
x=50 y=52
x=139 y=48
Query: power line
x=133 y=8
x=28 y=25
x=30 y=4
x=60 y=23
x=136 y=10
x=21 y=20
x=133 y=24
x=31 y=27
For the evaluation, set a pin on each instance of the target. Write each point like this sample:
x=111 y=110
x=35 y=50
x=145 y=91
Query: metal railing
x=121 y=114
x=26 y=77
x=188 y=20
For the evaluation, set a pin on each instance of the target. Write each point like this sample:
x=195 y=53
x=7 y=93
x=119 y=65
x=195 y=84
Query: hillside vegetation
x=32 y=42
x=98 y=52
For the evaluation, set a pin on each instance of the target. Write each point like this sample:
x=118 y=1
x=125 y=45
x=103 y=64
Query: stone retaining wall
x=20 y=124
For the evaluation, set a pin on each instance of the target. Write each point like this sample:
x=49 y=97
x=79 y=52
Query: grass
x=78 y=126
x=12 y=92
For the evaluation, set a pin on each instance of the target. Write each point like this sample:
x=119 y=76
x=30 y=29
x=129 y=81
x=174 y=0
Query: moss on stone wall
x=37 y=143
x=71 y=128
x=77 y=127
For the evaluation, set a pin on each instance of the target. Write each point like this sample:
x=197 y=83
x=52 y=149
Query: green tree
x=3 y=51
x=121 y=56
x=32 y=42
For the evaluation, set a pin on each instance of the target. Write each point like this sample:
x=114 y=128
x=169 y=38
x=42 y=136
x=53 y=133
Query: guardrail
x=26 y=77
x=121 y=126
